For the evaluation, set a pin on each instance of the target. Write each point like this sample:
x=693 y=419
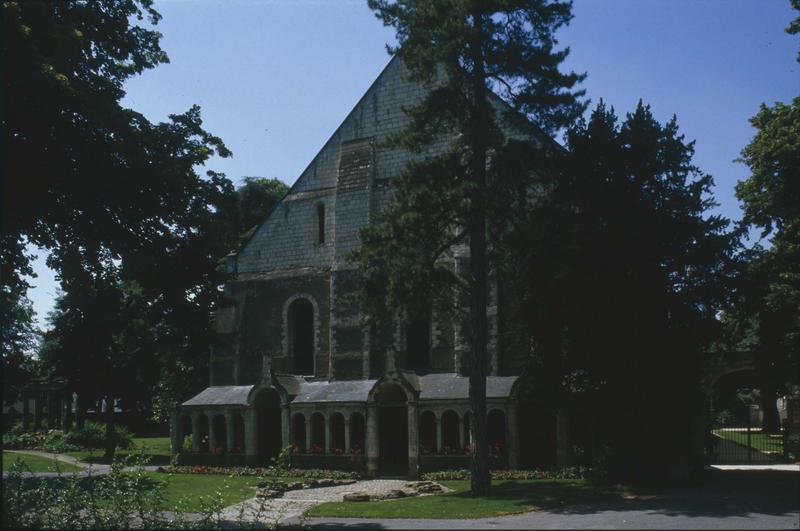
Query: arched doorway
x=301 y=336
x=269 y=427
x=392 y=429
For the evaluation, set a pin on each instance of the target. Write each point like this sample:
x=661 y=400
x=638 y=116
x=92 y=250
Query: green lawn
x=763 y=442
x=507 y=497
x=189 y=490
x=157 y=448
x=35 y=463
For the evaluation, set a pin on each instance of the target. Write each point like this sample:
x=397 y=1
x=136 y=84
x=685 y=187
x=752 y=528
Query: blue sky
x=274 y=78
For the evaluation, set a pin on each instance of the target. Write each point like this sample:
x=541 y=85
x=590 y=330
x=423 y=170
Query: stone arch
x=202 y=432
x=468 y=428
x=299 y=432
x=450 y=432
x=337 y=432
x=496 y=430
x=238 y=433
x=317 y=433
x=427 y=432
x=358 y=432
x=220 y=432
x=269 y=423
x=391 y=398
x=286 y=333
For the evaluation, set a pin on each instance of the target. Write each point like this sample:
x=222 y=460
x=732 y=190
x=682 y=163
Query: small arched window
x=320 y=223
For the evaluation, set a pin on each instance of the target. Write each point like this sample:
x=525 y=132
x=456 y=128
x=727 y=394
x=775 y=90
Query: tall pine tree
x=467 y=52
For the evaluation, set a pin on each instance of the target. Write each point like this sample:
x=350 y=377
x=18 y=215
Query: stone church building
x=293 y=365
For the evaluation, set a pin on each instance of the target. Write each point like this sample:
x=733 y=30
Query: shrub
x=58 y=442
x=24 y=440
x=124 y=498
x=93 y=436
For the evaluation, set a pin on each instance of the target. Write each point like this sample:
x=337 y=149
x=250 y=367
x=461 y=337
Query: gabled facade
x=294 y=366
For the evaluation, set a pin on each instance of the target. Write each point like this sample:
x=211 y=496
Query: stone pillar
x=286 y=424
x=438 y=434
x=512 y=436
x=37 y=411
x=327 y=434
x=372 y=440
x=212 y=433
x=195 y=431
x=461 y=433
x=229 y=431
x=308 y=433
x=347 y=433
x=413 y=442
x=251 y=436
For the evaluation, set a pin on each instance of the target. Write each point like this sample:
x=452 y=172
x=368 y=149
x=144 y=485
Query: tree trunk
x=481 y=481
x=80 y=412
x=111 y=439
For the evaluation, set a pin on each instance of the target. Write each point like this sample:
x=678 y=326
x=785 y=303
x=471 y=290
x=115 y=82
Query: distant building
x=293 y=363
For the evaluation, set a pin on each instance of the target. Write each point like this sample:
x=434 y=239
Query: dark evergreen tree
x=463 y=50
x=627 y=271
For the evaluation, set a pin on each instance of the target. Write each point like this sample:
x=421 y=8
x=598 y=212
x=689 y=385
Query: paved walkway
x=89 y=469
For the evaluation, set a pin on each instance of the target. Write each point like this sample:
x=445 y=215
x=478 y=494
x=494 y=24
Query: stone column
x=37 y=411
x=327 y=433
x=438 y=433
x=251 y=436
x=513 y=437
x=308 y=432
x=195 y=431
x=347 y=433
x=229 y=442
x=372 y=440
x=212 y=433
x=461 y=433
x=286 y=424
x=413 y=442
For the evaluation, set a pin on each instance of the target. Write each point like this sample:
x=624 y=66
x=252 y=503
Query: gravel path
x=294 y=503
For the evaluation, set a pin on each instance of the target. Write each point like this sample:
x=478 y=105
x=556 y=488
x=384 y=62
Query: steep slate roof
x=336 y=391
x=450 y=387
x=221 y=395
x=447 y=386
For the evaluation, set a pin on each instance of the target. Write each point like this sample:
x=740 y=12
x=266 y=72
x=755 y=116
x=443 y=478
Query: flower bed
x=577 y=472
x=305 y=473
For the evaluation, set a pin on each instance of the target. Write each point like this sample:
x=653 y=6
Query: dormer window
x=320 y=223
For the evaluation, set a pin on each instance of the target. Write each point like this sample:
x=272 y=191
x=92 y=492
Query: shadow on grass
x=712 y=494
